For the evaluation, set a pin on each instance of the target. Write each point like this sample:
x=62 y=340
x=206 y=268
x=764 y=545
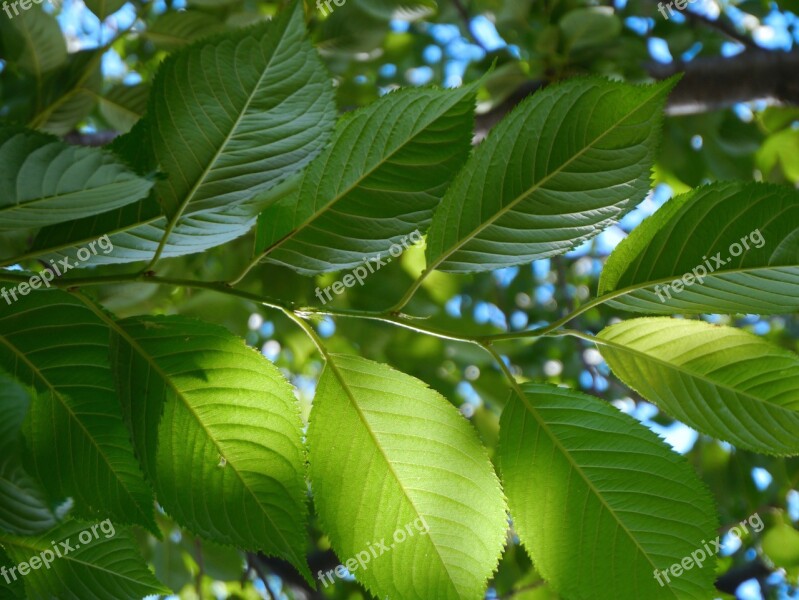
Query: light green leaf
x=386 y=170
x=388 y=454
x=124 y=105
x=692 y=234
x=104 y=8
x=175 y=29
x=109 y=567
x=33 y=40
x=52 y=343
x=404 y=10
x=599 y=501
x=24 y=509
x=724 y=382
x=45 y=181
x=218 y=432
x=781 y=545
x=565 y=164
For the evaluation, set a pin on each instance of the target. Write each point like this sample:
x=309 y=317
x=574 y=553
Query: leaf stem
x=298 y=313
x=250 y=266
x=397 y=308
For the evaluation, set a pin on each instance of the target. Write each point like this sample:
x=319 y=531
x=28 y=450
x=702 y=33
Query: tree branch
x=722 y=26
x=708 y=84
x=719 y=82
x=101 y=138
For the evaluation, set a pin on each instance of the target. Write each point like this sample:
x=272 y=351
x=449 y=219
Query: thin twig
x=255 y=563
x=723 y=27
x=467 y=21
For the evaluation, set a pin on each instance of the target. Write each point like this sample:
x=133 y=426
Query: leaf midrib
x=34 y=549
x=556 y=441
x=179 y=394
x=351 y=397
x=444 y=256
x=73 y=417
x=635 y=287
x=367 y=173
x=172 y=221
x=680 y=369
x=34 y=203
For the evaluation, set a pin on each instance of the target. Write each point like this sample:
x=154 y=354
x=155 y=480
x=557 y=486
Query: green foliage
x=387 y=452
x=48 y=181
x=727 y=383
x=685 y=236
x=408 y=10
x=565 y=456
x=75 y=420
x=530 y=190
x=380 y=179
x=34 y=42
x=23 y=504
x=108 y=568
x=104 y=8
x=199 y=433
x=128 y=396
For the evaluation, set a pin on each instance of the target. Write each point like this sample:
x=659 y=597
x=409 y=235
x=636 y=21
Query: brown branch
x=722 y=26
x=708 y=84
x=467 y=21
x=719 y=82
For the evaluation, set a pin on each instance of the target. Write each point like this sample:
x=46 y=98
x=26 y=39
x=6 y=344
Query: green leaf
x=381 y=178
x=24 y=509
x=781 y=545
x=218 y=432
x=588 y=28
x=124 y=105
x=351 y=30
x=33 y=40
x=175 y=29
x=564 y=165
x=46 y=181
x=695 y=232
x=272 y=125
x=15 y=589
x=599 y=501
x=108 y=567
x=386 y=453
x=54 y=344
x=69 y=94
x=405 y=10
x=273 y=119
x=724 y=382
x=104 y=8
x=136 y=230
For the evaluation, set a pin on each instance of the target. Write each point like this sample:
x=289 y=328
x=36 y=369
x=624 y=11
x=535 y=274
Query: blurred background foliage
x=82 y=70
